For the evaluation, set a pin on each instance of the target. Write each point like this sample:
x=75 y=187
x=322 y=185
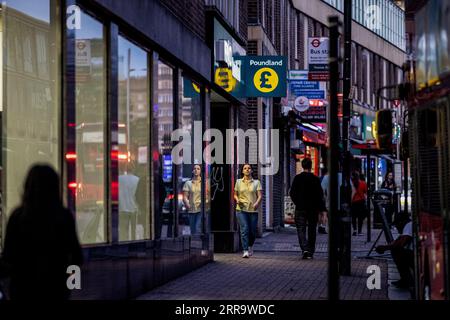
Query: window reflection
x=133 y=141
x=189 y=178
x=163 y=124
x=30 y=69
x=90 y=115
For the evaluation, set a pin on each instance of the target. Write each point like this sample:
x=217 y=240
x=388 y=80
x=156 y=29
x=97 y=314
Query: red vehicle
x=428 y=27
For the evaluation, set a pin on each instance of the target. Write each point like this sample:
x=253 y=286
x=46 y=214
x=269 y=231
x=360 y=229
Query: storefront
x=227 y=104
x=99 y=99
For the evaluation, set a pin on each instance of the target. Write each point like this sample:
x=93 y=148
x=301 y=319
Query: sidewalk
x=276 y=272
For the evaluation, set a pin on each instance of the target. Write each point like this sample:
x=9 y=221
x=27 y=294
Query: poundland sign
x=265 y=76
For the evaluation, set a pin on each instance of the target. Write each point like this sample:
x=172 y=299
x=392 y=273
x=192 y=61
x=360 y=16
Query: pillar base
x=226 y=241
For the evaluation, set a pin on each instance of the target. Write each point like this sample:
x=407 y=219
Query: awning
x=388 y=157
x=314 y=137
x=371 y=148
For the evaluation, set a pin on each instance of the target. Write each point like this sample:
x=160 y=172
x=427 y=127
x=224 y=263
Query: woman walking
x=248 y=196
x=358 y=207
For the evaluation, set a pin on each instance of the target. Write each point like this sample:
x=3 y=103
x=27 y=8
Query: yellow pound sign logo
x=266 y=80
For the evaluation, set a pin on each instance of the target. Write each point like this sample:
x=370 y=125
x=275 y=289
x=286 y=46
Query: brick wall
x=190 y=12
x=276 y=39
x=268 y=18
x=243 y=18
x=254 y=11
x=291 y=33
x=301 y=40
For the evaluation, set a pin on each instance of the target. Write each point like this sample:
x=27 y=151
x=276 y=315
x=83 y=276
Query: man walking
x=307 y=195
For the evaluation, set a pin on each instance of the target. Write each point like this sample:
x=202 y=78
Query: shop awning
x=371 y=148
x=314 y=137
x=388 y=157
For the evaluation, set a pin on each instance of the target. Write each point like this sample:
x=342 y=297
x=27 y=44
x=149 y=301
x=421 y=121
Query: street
x=277 y=272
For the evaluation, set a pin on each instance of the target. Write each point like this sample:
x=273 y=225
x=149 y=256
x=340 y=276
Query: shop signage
x=167 y=167
x=317 y=111
x=310 y=94
x=83 y=60
x=83 y=53
x=298 y=75
x=224 y=78
x=265 y=76
x=224 y=52
x=228 y=71
x=303 y=87
x=318 y=59
x=301 y=104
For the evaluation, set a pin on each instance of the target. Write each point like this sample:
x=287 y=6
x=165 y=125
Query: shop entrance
x=222 y=178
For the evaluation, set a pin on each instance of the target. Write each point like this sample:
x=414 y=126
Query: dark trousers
x=404 y=259
x=358 y=211
x=303 y=220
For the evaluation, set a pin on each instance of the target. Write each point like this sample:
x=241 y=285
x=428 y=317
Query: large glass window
x=134 y=168
x=189 y=177
x=90 y=124
x=30 y=58
x=163 y=120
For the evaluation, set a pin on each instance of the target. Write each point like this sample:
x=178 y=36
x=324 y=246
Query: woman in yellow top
x=192 y=198
x=248 y=196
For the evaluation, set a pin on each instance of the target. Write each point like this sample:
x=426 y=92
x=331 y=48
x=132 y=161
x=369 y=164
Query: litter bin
x=382 y=198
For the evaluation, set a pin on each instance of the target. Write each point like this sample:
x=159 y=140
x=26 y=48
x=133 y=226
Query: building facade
x=98 y=89
x=98 y=97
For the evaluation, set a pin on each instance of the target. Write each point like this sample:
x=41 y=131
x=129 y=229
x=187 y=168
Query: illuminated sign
x=224 y=78
x=265 y=76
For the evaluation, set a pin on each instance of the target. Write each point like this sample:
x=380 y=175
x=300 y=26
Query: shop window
x=30 y=58
x=134 y=166
x=189 y=178
x=90 y=125
x=164 y=191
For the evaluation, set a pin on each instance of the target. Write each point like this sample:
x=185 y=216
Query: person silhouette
x=128 y=205
x=41 y=241
x=192 y=198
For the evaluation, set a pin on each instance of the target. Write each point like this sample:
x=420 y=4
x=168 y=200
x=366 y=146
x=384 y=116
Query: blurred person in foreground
x=41 y=241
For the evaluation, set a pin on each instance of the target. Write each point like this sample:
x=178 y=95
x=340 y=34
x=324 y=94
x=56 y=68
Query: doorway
x=222 y=179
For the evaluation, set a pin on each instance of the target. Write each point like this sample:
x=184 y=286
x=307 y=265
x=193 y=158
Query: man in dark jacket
x=307 y=195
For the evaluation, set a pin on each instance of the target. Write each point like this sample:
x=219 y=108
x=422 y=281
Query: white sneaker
x=245 y=255
x=250 y=251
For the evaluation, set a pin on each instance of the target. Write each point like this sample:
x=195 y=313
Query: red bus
x=428 y=28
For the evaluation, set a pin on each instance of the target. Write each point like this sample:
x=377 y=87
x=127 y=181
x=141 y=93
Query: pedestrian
x=192 y=198
x=358 y=207
x=324 y=181
x=40 y=241
x=402 y=251
x=307 y=195
x=389 y=182
x=248 y=196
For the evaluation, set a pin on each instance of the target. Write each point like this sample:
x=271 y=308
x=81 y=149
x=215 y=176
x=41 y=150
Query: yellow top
x=194 y=188
x=247 y=192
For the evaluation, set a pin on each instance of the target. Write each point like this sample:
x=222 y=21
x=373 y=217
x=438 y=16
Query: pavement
x=277 y=272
